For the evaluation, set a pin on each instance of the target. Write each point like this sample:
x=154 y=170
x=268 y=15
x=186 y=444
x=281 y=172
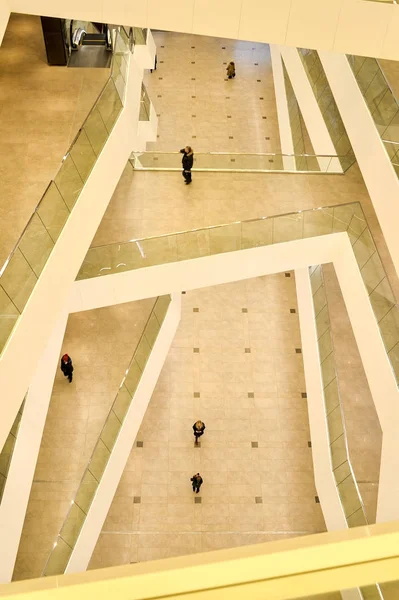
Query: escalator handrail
x=78 y=37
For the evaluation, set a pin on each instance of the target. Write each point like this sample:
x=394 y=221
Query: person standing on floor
x=231 y=70
x=67 y=366
x=198 y=428
x=187 y=162
x=197 y=481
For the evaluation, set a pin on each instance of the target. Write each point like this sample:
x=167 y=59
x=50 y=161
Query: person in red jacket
x=67 y=366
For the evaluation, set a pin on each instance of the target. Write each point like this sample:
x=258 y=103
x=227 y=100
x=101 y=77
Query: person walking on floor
x=198 y=428
x=67 y=366
x=187 y=162
x=231 y=70
x=197 y=481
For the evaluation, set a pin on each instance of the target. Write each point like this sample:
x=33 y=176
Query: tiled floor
x=254 y=456
x=41 y=110
x=199 y=107
x=101 y=343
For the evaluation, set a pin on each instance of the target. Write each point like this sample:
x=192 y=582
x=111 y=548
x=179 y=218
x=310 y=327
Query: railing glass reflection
x=66 y=539
x=145 y=252
x=347 y=487
x=23 y=267
x=230 y=161
x=8 y=449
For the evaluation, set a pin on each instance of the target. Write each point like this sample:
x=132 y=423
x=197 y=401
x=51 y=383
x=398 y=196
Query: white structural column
x=120 y=452
x=379 y=375
x=284 y=125
x=326 y=487
x=315 y=124
x=20 y=475
x=4 y=16
x=51 y=291
x=379 y=175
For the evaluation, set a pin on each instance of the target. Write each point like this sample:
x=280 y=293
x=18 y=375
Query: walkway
x=101 y=343
x=41 y=110
x=233 y=364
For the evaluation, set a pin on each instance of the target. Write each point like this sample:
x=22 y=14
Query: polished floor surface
x=235 y=363
x=154 y=513
x=41 y=110
x=101 y=343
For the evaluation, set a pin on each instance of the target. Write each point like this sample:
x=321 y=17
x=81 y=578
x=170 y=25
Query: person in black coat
x=187 y=162
x=197 y=481
x=198 y=428
x=67 y=366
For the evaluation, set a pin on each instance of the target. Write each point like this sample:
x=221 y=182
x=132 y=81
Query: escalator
x=90 y=44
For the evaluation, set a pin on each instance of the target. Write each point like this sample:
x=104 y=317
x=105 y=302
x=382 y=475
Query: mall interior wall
x=351 y=26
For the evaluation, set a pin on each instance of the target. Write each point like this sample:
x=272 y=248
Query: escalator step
x=94 y=39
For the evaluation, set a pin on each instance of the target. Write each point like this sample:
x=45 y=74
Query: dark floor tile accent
x=317 y=499
x=287 y=274
x=159 y=96
x=264 y=118
x=304 y=395
x=229 y=116
x=292 y=310
x=244 y=310
x=267 y=138
x=258 y=80
x=254 y=444
x=247 y=350
x=223 y=47
x=184 y=292
x=194 y=136
x=197 y=394
x=271 y=160
x=232 y=160
x=158 y=135
x=258 y=500
x=193 y=62
x=309 y=444
x=161 y=62
x=231 y=137
x=192 y=47
x=251 y=395
x=160 y=78
x=197 y=500
x=139 y=444
x=196 y=350
x=155 y=158
x=261 y=98
x=192 y=78
x=137 y=500
x=193 y=116
x=193 y=96
x=225 y=63
x=197 y=445
x=298 y=350
x=195 y=309
x=227 y=97
x=256 y=64
x=162 y=46
x=158 y=114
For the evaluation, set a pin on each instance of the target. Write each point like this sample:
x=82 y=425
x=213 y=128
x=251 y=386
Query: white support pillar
x=326 y=487
x=315 y=124
x=109 y=482
x=379 y=175
x=284 y=125
x=380 y=377
x=23 y=463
